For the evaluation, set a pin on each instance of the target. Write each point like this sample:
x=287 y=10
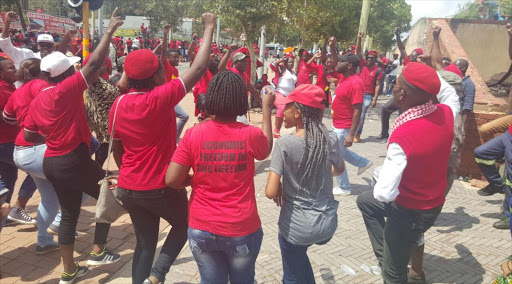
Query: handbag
x=109 y=208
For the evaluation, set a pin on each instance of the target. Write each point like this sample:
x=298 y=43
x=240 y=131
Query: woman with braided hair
x=306 y=161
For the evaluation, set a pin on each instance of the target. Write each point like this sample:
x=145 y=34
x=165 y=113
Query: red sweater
x=427 y=144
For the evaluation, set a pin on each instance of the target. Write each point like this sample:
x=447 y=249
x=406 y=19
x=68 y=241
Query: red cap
x=289 y=55
x=422 y=76
x=454 y=69
x=353 y=47
x=419 y=51
x=141 y=64
x=308 y=95
x=373 y=52
x=306 y=52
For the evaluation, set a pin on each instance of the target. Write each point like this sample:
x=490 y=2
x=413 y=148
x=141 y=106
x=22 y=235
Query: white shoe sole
x=21 y=221
x=96 y=263
x=73 y=280
x=361 y=170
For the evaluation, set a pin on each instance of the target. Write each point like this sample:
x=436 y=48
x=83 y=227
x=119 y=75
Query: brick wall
x=486 y=108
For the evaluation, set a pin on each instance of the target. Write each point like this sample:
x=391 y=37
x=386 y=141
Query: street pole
x=365 y=13
x=218 y=31
x=262 y=51
x=85 y=24
x=100 y=24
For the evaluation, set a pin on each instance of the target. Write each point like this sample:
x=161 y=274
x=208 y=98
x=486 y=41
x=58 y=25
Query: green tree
x=385 y=15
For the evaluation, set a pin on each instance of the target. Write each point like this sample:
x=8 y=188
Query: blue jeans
x=9 y=175
x=367 y=100
x=30 y=160
x=388 y=84
x=182 y=120
x=296 y=265
x=220 y=258
x=348 y=156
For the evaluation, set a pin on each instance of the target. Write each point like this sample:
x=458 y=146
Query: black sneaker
x=503 y=224
x=19 y=215
x=70 y=278
x=46 y=249
x=382 y=136
x=54 y=230
x=105 y=257
x=491 y=189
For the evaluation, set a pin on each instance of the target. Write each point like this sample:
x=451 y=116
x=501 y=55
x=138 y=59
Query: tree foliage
x=385 y=15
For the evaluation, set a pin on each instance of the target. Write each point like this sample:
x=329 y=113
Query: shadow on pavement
x=327 y=275
x=445 y=219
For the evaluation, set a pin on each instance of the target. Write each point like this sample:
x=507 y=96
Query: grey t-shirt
x=304 y=219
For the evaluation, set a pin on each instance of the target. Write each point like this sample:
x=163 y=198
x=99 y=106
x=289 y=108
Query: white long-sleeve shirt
x=16 y=54
x=390 y=175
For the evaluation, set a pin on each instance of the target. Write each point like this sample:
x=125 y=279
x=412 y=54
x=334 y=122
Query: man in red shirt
x=370 y=75
x=239 y=65
x=129 y=44
x=415 y=54
x=412 y=182
x=346 y=113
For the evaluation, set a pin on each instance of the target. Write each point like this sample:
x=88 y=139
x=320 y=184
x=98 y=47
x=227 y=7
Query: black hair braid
x=314 y=165
x=227 y=95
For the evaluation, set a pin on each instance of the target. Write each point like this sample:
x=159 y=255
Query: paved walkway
x=462 y=247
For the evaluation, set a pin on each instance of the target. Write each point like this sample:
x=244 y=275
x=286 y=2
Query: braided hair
x=227 y=95
x=314 y=165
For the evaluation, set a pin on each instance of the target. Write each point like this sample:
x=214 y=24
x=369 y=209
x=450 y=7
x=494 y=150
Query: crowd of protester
x=47 y=126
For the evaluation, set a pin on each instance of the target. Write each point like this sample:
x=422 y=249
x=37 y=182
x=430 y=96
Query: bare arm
x=200 y=64
x=338 y=170
x=9 y=17
x=118 y=152
x=163 y=55
x=97 y=60
x=191 y=49
x=68 y=37
x=436 y=57
x=356 y=118
x=400 y=45
x=358 y=45
x=318 y=55
x=177 y=176
x=334 y=54
x=268 y=97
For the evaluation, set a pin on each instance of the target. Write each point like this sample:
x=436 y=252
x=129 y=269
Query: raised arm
x=268 y=97
x=165 y=39
x=16 y=54
x=334 y=53
x=324 y=51
x=358 y=45
x=9 y=17
x=97 y=60
x=436 y=57
x=223 y=64
x=191 y=49
x=200 y=64
x=400 y=45
x=316 y=56
x=68 y=37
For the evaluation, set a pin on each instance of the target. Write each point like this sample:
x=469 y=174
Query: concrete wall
x=486 y=43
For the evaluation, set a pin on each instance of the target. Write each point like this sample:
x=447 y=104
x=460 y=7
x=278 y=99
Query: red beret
x=419 y=51
x=454 y=69
x=374 y=53
x=141 y=64
x=423 y=77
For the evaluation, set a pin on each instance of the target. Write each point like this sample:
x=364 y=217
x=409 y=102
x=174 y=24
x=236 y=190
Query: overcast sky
x=434 y=8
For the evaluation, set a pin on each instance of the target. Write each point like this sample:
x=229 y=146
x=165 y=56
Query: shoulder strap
x=112 y=135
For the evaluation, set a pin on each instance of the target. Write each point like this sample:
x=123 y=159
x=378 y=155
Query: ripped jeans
x=220 y=258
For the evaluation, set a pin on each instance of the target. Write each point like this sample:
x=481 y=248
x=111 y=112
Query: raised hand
x=11 y=16
x=360 y=35
x=166 y=28
x=332 y=41
x=268 y=96
x=436 y=31
x=209 y=20
x=115 y=22
x=233 y=47
x=71 y=33
x=397 y=30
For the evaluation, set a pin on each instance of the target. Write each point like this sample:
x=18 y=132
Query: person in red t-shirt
x=28 y=156
x=129 y=44
x=370 y=74
x=58 y=113
x=144 y=142
x=222 y=207
x=8 y=135
x=305 y=69
x=320 y=69
x=346 y=113
x=170 y=59
x=415 y=54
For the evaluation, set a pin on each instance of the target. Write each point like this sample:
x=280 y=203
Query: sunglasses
x=371 y=58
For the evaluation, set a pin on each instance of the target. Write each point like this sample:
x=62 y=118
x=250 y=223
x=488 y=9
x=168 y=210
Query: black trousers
x=71 y=175
x=393 y=239
x=387 y=109
x=145 y=209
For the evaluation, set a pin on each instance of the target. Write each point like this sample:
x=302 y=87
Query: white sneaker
x=340 y=191
x=376 y=270
x=361 y=170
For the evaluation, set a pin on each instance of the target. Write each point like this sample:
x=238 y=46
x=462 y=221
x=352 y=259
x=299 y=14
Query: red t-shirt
x=129 y=43
x=406 y=61
x=348 y=93
x=18 y=105
x=58 y=112
x=8 y=132
x=146 y=125
x=321 y=80
x=171 y=72
x=222 y=156
x=369 y=76
x=246 y=77
x=304 y=71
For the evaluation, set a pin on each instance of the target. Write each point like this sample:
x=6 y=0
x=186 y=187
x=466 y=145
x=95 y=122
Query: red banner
x=47 y=23
x=14 y=25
